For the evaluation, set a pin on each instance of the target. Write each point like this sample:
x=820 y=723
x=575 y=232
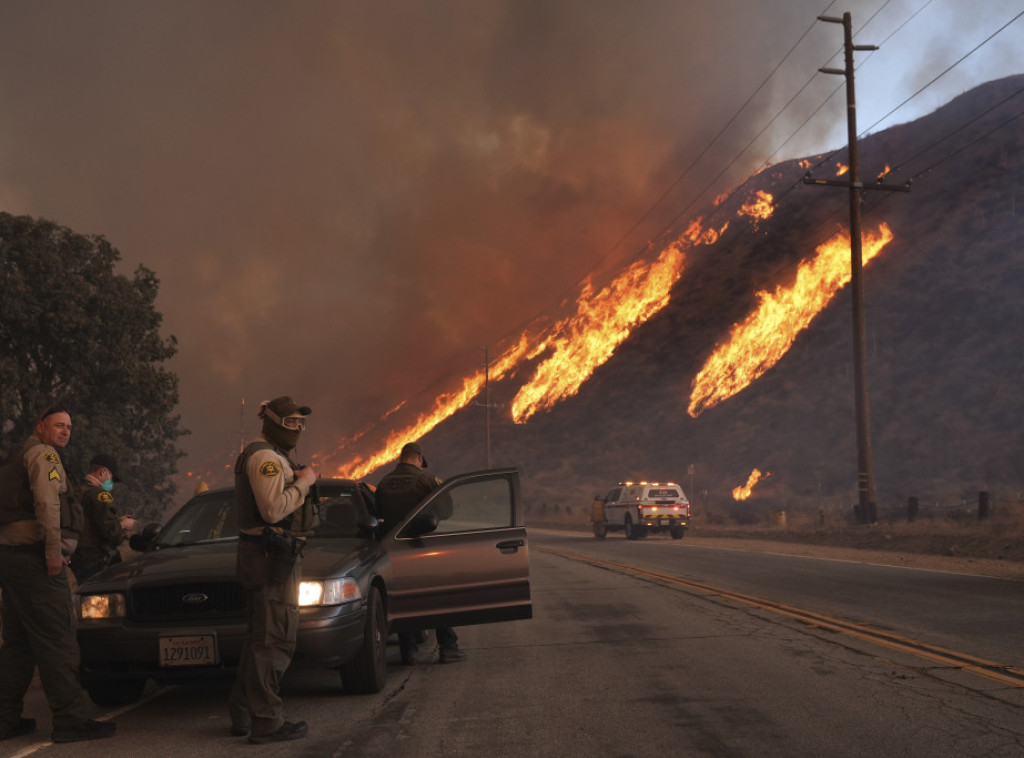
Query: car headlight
x=329 y=592
x=94 y=607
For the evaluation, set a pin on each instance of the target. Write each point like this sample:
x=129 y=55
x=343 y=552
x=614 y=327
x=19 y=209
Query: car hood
x=322 y=557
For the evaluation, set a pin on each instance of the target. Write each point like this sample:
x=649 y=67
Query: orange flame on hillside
x=758 y=343
x=577 y=345
x=444 y=406
x=885 y=172
x=742 y=493
x=841 y=169
x=603 y=320
x=805 y=164
x=760 y=208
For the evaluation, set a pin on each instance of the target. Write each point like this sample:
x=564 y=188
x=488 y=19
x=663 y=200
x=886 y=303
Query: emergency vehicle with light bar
x=639 y=508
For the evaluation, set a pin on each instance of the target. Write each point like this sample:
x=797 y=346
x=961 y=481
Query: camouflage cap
x=284 y=406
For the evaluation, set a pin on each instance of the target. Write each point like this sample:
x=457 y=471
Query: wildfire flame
x=760 y=208
x=841 y=169
x=759 y=342
x=574 y=347
x=603 y=320
x=578 y=345
x=805 y=164
x=885 y=172
x=742 y=493
x=444 y=406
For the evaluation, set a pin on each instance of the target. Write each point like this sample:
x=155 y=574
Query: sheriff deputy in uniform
x=104 y=530
x=274 y=516
x=397 y=494
x=38 y=521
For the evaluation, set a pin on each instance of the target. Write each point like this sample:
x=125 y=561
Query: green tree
x=74 y=332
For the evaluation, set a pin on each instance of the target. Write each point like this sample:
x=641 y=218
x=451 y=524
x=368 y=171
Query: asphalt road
x=980 y=615
x=659 y=647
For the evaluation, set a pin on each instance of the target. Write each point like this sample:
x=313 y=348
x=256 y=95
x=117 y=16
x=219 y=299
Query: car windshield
x=206 y=518
x=212 y=517
x=341 y=513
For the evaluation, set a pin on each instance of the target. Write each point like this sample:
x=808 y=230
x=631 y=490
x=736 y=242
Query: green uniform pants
x=38 y=631
x=272 y=613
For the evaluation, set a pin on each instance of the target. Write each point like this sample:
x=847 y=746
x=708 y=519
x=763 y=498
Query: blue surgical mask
x=108 y=485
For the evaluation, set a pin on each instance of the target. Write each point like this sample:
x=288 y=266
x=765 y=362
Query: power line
x=973 y=142
x=830 y=156
x=947 y=70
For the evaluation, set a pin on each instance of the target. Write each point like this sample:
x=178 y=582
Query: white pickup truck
x=637 y=508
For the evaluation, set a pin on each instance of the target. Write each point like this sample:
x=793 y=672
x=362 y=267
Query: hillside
x=944 y=319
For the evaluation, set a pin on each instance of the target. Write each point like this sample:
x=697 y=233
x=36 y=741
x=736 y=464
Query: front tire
x=366 y=672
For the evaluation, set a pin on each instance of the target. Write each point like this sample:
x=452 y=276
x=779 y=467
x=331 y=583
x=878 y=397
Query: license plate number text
x=198 y=650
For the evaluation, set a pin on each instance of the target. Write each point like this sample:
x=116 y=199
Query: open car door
x=461 y=556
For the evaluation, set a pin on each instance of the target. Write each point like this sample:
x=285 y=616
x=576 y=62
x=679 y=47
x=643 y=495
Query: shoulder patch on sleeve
x=270 y=469
x=105 y=497
x=54 y=475
x=51 y=457
x=437 y=481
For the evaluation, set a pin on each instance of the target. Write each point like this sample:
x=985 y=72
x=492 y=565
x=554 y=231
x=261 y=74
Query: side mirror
x=367 y=526
x=422 y=523
x=145 y=539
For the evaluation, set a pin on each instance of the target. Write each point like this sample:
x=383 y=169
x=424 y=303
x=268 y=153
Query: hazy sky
x=344 y=200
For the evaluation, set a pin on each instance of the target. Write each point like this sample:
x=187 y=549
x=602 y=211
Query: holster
x=268 y=558
x=282 y=552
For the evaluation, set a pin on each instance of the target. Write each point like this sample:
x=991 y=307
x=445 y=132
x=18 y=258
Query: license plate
x=197 y=650
x=664 y=522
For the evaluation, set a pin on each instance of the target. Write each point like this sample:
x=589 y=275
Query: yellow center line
x=996 y=671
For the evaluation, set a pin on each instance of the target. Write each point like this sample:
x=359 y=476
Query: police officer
x=104 y=530
x=38 y=618
x=274 y=515
x=398 y=493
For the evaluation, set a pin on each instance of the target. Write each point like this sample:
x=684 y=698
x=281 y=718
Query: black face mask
x=278 y=436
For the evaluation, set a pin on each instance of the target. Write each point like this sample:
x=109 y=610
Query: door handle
x=510 y=546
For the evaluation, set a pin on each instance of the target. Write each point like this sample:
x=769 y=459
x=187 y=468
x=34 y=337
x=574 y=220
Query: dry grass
x=1000 y=537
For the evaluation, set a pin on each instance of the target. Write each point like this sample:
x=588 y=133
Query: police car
x=176 y=612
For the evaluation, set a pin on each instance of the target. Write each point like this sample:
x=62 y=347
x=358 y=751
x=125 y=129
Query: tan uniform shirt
x=274 y=486
x=48 y=482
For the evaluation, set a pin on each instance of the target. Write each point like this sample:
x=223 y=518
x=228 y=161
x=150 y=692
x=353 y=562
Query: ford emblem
x=195 y=598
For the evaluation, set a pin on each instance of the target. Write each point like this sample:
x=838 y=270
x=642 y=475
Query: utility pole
x=866 y=510
x=487 y=405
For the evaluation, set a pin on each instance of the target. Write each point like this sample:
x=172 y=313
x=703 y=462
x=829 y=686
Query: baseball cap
x=413 y=447
x=107 y=462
